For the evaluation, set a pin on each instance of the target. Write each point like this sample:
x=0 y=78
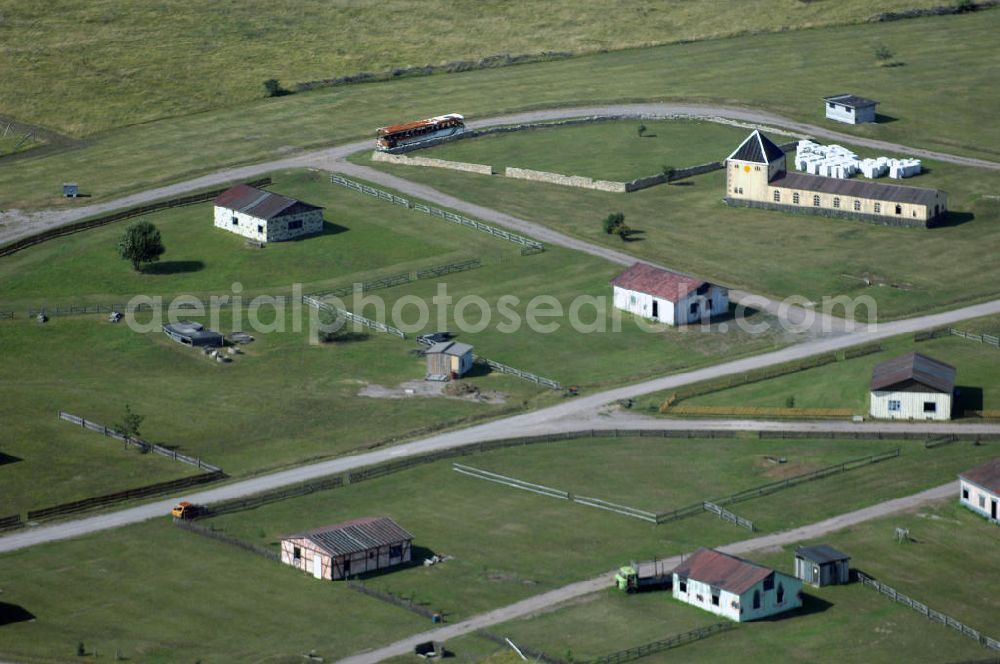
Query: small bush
x=273 y=88
x=613 y=222
x=883 y=53
x=790 y=402
x=80 y=650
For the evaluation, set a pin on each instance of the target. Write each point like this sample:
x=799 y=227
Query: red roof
x=656 y=281
x=986 y=475
x=393 y=129
x=259 y=203
x=722 y=570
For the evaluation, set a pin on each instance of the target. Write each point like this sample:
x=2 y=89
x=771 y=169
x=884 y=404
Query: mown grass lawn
x=220 y=56
x=945 y=58
x=161 y=595
x=608 y=151
x=686 y=226
x=507 y=545
x=362 y=238
x=846 y=384
x=838 y=624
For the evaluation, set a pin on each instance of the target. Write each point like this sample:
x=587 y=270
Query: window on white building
x=777 y=196
x=260 y=228
x=982 y=502
x=816 y=201
x=795 y=198
x=878 y=208
x=857 y=205
x=899 y=209
x=396 y=551
x=715 y=600
x=296 y=554
x=236 y=221
x=930 y=407
x=683 y=586
x=836 y=202
x=965 y=493
x=895 y=405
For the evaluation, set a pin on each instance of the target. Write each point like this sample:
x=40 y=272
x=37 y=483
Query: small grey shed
x=71 y=190
x=448 y=360
x=822 y=565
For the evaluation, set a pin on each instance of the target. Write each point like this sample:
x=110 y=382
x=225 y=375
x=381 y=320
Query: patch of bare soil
x=775 y=468
x=426 y=388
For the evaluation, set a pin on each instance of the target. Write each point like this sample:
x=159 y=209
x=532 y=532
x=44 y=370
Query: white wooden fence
x=509 y=481
x=354 y=318
x=931 y=614
x=138 y=442
x=987 y=339
x=533 y=246
x=726 y=515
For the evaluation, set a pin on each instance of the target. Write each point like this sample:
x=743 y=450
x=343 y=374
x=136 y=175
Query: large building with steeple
x=756 y=176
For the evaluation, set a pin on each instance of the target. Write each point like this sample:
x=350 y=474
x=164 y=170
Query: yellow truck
x=185 y=510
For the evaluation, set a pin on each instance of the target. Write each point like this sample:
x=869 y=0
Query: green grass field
x=945 y=58
x=94 y=66
x=45 y=461
x=845 y=384
x=773 y=253
x=362 y=238
x=596 y=150
x=179 y=588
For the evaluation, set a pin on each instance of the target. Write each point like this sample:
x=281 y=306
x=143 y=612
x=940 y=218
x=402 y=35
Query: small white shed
x=666 y=296
x=850 y=109
x=980 y=490
x=912 y=387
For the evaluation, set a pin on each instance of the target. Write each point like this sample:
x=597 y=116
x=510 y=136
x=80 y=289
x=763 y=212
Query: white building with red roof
x=666 y=296
x=735 y=588
x=265 y=216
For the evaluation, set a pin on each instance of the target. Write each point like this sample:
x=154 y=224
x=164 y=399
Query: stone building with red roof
x=666 y=296
x=734 y=588
x=265 y=216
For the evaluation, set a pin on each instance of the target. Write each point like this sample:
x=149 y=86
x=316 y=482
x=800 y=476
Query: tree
x=668 y=172
x=641 y=130
x=140 y=243
x=883 y=53
x=273 y=88
x=129 y=426
x=613 y=222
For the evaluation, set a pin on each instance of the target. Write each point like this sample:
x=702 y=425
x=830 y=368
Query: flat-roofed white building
x=912 y=387
x=851 y=109
x=666 y=296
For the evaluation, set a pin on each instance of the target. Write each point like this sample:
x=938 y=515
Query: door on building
x=993 y=510
x=656 y=309
x=318 y=566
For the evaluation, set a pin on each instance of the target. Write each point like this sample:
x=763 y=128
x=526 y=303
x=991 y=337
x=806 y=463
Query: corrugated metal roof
x=914 y=367
x=821 y=554
x=986 y=475
x=853 y=101
x=356 y=535
x=405 y=126
x=856 y=188
x=722 y=570
x=658 y=282
x=449 y=348
x=757 y=148
x=259 y=203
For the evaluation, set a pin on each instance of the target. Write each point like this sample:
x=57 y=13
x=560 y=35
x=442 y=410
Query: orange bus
x=420 y=130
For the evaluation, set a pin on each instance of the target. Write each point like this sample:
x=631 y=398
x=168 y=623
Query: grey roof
x=757 y=148
x=191 y=330
x=853 y=101
x=916 y=368
x=821 y=554
x=449 y=348
x=986 y=475
x=892 y=193
x=356 y=535
x=259 y=203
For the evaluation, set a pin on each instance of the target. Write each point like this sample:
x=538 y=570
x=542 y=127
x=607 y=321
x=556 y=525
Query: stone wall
x=565 y=180
x=482 y=169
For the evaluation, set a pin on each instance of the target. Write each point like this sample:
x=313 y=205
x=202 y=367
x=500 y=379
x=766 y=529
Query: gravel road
x=571 y=415
x=553 y=598
x=20 y=224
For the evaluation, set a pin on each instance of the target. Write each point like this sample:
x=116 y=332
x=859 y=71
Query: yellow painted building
x=756 y=176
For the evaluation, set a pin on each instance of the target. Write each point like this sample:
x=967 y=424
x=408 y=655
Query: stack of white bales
x=836 y=161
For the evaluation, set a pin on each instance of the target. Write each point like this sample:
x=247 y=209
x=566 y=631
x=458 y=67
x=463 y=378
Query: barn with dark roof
x=912 y=387
x=347 y=549
x=980 y=489
x=733 y=587
x=666 y=296
x=265 y=216
x=756 y=176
